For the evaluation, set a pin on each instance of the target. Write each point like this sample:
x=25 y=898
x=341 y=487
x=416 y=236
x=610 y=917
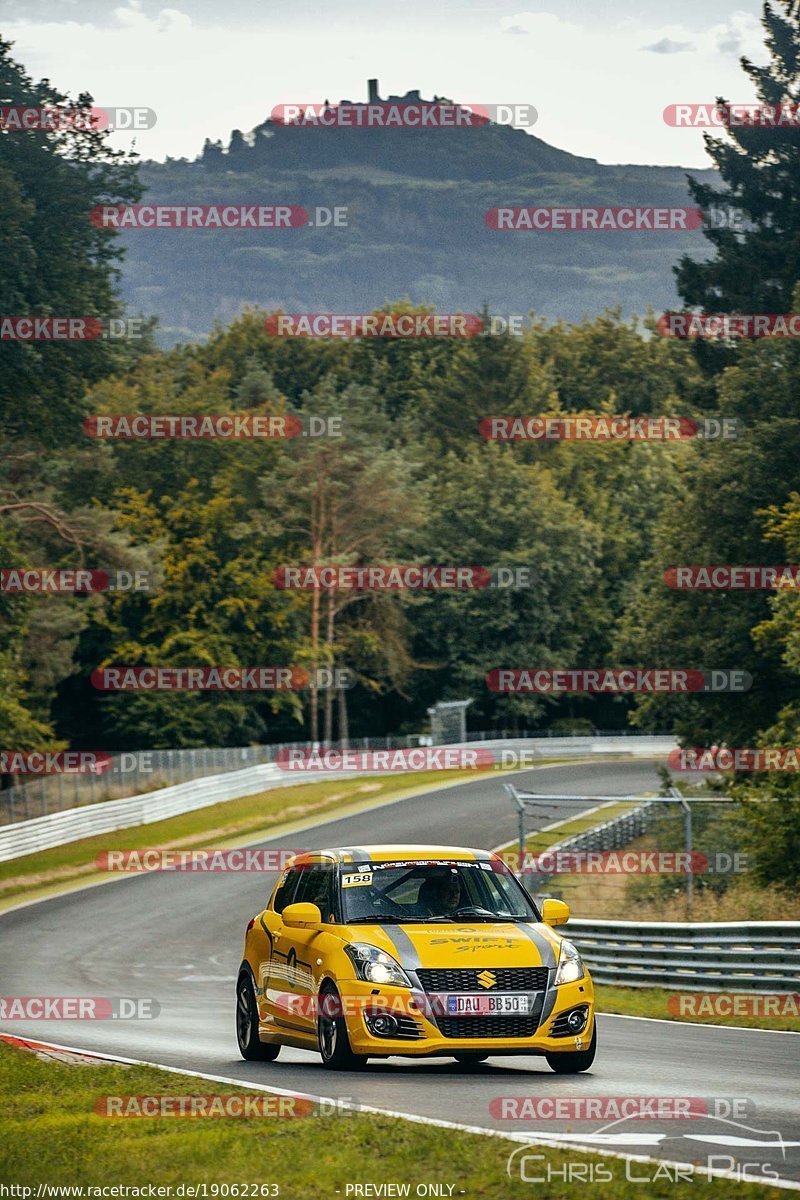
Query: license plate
x=481 y=1006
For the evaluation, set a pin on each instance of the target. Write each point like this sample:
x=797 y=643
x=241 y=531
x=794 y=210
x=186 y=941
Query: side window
x=285 y=892
x=316 y=887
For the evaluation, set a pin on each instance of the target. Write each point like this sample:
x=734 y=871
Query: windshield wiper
x=385 y=919
x=377 y=919
x=472 y=920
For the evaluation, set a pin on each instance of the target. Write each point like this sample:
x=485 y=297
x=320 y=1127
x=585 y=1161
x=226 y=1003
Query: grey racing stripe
x=548 y=956
x=546 y=951
x=550 y=997
x=407 y=954
x=356 y=853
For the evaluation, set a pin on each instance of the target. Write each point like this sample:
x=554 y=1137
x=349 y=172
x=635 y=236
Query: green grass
x=50 y=1134
x=653 y=1002
x=232 y=822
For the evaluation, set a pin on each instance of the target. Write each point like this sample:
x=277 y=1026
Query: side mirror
x=301 y=916
x=554 y=912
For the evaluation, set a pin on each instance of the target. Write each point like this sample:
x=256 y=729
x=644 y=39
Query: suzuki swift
x=419 y=951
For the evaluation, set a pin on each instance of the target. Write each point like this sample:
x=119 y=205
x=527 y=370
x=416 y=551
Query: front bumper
x=360 y=997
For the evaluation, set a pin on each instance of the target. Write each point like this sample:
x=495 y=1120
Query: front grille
x=408 y=1028
x=465 y=979
x=488 y=1027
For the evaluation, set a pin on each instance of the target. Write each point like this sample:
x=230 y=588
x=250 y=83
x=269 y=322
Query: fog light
x=576 y=1020
x=383 y=1025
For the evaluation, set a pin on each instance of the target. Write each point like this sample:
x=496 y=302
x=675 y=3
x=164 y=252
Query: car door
x=269 y=945
x=299 y=955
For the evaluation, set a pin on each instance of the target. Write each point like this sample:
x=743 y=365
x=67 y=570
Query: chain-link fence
x=673 y=857
x=132 y=772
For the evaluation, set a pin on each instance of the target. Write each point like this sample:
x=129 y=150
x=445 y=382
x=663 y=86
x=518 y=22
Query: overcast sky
x=599 y=73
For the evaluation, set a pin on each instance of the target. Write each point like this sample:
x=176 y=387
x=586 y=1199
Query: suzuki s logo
x=486 y=979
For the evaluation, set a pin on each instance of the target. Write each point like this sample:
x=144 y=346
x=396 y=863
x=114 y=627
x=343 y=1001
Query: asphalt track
x=177 y=937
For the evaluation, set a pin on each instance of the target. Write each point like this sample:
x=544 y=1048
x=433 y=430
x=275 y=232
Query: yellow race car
x=367 y=952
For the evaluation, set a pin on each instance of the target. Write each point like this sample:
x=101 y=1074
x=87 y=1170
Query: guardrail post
x=687 y=837
x=512 y=792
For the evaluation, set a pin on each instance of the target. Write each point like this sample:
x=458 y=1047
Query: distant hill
x=416 y=204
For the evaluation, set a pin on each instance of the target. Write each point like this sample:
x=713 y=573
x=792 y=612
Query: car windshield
x=435 y=892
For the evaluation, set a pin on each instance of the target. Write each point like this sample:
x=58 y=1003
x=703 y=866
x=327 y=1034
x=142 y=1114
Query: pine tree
x=756 y=265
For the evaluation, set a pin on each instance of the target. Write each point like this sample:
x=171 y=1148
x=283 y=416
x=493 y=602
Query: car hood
x=500 y=944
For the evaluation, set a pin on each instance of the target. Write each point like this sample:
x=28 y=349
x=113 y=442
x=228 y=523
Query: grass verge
x=653 y=1002
x=50 y=1134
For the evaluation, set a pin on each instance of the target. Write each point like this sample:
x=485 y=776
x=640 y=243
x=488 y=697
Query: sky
x=599 y=73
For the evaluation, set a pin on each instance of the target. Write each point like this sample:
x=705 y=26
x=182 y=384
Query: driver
x=441 y=894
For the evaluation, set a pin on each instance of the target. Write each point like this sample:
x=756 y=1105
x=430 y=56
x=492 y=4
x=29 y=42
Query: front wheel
x=332 y=1036
x=250 y=1045
x=571 y=1062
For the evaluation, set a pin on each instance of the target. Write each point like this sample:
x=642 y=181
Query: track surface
x=178 y=938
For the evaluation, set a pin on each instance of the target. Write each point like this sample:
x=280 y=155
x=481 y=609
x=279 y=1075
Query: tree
x=486 y=508
x=769 y=811
x=55 y=261
x=770 y=832
x=191 y=504
x=21 y=728
x=479 y=377
x=715 y=518
x=345 y=501
x=606 y=359
x=755 y=268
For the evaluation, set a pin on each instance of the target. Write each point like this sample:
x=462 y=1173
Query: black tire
x=470 y=1060
x=332 y=1037
x=570 y=1063
x=250 y=1045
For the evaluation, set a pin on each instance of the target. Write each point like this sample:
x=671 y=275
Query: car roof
x=387 y=853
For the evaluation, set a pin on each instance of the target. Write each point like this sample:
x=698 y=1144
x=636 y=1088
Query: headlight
x=376 y=966
x=570 y=964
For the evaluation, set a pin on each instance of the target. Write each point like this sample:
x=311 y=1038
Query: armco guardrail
x=644 y=745
x=132 y=772
x=68 y=825
x=620 y=831
x=56 y=829
x=737 y=956
x=609 y=835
